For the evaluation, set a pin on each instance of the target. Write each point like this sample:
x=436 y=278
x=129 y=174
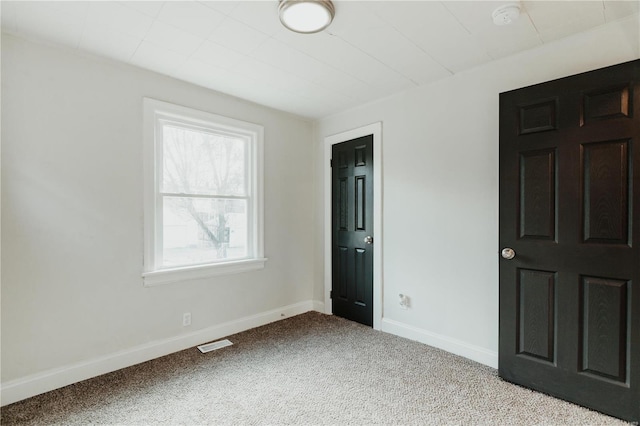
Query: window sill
x=168 y=276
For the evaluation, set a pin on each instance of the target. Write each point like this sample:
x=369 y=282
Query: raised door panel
x=360 y=278
x=536 y=314
x=539 y=116
x=360 y=203
x=343 y=272
x=343 y=206
x=360 y=155
x=538 y=195
x=604 y=328
x=606 y=104
x=605 y=171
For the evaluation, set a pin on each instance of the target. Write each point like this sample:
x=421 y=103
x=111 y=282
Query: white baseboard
x=318 y=306
x=26 y=387
x=458 y=347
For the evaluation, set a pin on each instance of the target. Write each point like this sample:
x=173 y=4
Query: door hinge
x=331 y=162
x=330 y=294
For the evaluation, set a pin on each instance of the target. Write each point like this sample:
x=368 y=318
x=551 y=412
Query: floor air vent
x=214 y=345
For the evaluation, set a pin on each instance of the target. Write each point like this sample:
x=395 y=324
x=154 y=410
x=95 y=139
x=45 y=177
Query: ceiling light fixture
x=306 y=16
x=505 y=15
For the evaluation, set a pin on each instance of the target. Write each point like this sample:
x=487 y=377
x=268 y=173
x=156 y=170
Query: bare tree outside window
x=204 y=193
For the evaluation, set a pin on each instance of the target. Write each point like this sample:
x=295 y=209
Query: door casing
x=374 y=129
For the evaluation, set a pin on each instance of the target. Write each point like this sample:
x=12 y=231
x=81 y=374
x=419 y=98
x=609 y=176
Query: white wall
x=73 y=303
x=440 y=186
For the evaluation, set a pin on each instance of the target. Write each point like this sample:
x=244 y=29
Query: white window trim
x=152 y=275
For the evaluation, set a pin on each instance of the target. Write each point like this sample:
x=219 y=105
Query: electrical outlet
x=405 y=302
x=186 y=319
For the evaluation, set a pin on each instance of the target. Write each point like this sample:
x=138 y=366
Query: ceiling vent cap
x=505 y=15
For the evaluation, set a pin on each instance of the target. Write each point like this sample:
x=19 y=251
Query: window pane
x=197 y=162
x=203 y=230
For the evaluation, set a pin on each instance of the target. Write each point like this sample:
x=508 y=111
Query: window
x=203 y=194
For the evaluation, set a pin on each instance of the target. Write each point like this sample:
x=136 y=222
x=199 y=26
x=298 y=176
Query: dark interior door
x=570 y=210
x=352 y=223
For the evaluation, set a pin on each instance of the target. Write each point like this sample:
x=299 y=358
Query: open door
x=570 y=239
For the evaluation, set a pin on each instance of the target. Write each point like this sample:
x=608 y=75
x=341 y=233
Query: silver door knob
x=508 y=253
x=368 y=239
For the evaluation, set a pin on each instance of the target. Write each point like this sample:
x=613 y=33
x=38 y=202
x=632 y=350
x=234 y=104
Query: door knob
x=508 y=253
x=368 y=239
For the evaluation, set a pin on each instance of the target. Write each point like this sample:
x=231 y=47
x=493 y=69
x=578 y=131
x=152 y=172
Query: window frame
x=155 y=112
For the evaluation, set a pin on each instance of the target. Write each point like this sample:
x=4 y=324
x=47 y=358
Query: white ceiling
x=372 y=49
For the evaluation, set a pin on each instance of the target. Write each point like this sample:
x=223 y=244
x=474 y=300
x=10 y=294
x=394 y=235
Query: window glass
x=199 y=162
x=203 y=230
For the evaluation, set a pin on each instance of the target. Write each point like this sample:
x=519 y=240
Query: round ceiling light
x=306 y=16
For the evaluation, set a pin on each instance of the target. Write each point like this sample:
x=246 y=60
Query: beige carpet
x=310 y=369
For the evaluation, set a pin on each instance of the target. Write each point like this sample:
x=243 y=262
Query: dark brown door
x=352 y=222
x=570 y=210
